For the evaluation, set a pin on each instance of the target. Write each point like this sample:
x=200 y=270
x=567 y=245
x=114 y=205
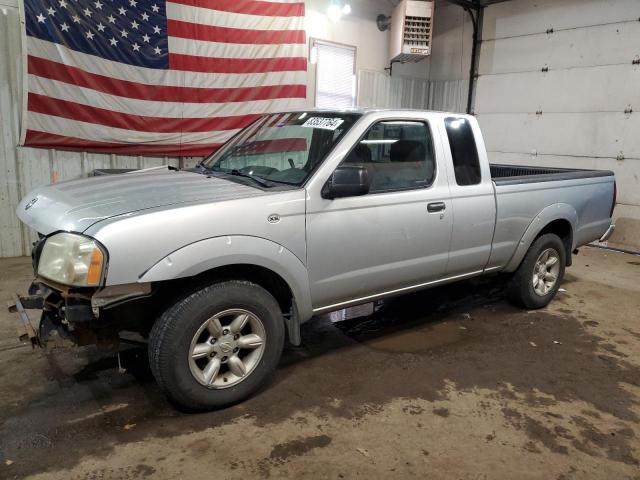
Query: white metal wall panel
x=581 y=47
x=581 y=100
x=23 y=169
x=593 y=134
x=525 y=17
x=379 y=90
x=10 y=63
x=572 y=90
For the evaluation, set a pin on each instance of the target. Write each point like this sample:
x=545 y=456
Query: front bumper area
x=19 y=305
x=61 y=320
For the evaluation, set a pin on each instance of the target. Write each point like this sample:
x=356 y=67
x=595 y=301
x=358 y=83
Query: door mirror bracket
x=347 y=181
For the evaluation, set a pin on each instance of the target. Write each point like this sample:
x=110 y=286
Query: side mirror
x=347 y=181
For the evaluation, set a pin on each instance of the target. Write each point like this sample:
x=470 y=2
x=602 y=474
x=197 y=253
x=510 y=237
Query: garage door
x=558 y=86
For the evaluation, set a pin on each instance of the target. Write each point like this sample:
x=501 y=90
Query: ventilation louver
x=411 y=31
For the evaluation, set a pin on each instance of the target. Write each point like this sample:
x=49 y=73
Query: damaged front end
x=67 y=318
x=78 y=317
x=76 y=307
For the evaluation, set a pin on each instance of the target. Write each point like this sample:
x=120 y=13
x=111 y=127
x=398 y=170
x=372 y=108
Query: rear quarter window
x=464 y=153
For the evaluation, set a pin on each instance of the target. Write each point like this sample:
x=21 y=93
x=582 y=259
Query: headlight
x=71 y=259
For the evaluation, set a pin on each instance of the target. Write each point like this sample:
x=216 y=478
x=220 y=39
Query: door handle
x=436 y=207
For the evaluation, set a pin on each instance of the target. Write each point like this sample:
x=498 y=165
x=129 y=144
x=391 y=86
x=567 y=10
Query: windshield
x=282 y=148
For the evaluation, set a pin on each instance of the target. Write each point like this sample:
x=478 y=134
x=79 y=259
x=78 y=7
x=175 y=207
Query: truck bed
x=518 y=174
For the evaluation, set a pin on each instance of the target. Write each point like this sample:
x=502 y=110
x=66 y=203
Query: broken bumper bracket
x=608 y=233
x=25 y=328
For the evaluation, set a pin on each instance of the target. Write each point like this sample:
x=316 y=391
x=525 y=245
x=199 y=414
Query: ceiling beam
x=466 y=4
x=475 y=4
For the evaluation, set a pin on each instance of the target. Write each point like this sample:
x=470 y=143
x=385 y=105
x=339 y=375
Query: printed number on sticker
x=324 y=123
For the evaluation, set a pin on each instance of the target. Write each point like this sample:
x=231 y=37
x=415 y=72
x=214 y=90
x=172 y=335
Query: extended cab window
x=463 y=151
x=398 y=155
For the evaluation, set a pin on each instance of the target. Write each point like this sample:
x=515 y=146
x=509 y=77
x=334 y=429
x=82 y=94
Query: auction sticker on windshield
x=323 y=122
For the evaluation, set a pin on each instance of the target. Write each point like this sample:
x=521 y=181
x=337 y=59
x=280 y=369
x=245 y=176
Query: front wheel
x=538 y=278
x=217 y=346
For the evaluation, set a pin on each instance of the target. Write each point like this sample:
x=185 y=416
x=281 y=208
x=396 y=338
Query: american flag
x=159 y=77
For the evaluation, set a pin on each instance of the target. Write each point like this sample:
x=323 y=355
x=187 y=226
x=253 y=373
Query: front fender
x=557 y=211
x=215 y=252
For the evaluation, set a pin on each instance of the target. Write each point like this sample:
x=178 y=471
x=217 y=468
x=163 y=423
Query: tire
x=521 y=290
x=200 y=384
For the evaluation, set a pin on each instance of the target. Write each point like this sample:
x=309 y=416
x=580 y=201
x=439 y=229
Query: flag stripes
x=174 y=77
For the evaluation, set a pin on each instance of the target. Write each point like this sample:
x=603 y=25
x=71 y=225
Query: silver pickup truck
x=300 y=213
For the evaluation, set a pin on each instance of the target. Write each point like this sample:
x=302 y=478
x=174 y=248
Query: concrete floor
x=448 y=383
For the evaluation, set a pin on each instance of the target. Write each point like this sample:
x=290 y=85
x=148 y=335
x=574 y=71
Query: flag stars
x=108 y=27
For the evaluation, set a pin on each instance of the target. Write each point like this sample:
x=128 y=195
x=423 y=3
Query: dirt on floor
x=448 y=383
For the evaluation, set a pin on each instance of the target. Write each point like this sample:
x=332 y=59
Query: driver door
x=388 y=240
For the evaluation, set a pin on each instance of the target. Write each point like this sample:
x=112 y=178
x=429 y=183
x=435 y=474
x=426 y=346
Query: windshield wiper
x=200 y=166
x=258 y=180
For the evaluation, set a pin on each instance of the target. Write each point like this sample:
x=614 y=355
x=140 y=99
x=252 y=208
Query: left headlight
x=72 y=259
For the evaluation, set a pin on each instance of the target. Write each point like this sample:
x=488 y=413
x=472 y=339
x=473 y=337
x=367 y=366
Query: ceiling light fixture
x=337 y=9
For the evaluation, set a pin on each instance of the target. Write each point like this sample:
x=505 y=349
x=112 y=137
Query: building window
x=335 y=74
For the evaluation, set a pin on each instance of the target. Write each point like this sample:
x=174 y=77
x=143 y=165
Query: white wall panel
x=597 y=89
x=378 y=90
x=517 y=18
x=583 y=47
x=580 y=135
x=10 y=69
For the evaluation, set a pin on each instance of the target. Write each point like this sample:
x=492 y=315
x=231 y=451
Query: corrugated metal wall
x=23 y=169
x=379 y=90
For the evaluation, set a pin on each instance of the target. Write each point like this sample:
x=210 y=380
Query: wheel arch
x=560 y=219
x=254 y=259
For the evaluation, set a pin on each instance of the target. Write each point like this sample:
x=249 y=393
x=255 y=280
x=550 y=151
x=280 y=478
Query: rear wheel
x=217 y=346
x=538 y=278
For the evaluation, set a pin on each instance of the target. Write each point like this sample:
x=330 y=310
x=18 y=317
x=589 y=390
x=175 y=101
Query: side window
x=463 y=151
x=398 y=155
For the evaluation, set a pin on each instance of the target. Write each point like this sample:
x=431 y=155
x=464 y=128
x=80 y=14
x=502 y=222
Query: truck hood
x=77 y=204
